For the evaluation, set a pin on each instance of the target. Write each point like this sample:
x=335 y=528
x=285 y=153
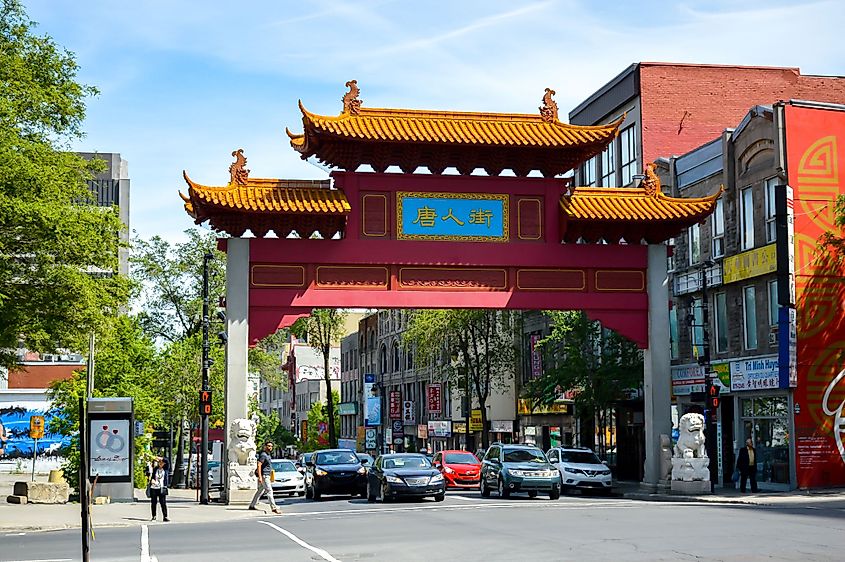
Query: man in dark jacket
x=746 y=463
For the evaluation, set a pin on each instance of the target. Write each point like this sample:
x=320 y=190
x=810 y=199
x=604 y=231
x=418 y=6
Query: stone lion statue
x=242 y=443
x=691 y=436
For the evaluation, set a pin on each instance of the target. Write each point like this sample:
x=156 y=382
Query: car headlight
x=436 y=478
x=320 y=472
x=362 y=470
x=571 y=470
x=448 y=470
x=393 y=479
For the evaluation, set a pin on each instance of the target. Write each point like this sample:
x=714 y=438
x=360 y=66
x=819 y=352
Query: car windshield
x=284 y=466
x=460 y=458
x=337 y=457
x=407 y=462
x=579 y=457
x=524 y=455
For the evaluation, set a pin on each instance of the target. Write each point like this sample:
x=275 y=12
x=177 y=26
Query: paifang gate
x=429 y=240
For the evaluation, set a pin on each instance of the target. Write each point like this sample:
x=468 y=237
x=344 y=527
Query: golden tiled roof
x=450 y=127
x=259 y=195
x=633 y=204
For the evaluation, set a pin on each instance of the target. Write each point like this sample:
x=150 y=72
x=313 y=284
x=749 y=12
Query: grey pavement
x=468 y=527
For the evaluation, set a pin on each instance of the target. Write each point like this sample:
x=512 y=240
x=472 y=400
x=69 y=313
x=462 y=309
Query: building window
x=720 y=308
x=397 y=366
x=773 y=302
x=673 y=333
x=697 y=329
x=608 y=165
x=746 y=219
x=771 y=232
x=670 y=259
x=749 y=313
x=628 y=141
x=694 y=243
x=383 y=354
x=589 y=178
x=719 y=229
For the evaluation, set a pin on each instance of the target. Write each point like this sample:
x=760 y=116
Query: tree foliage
x=270 y=427
x=323 y=330
x=51 y=235
x=832 y=243
x=597 y=363
x=318 y=415
x=481 y=342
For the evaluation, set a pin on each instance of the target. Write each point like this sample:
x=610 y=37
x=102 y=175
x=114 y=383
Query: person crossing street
x=263 y=471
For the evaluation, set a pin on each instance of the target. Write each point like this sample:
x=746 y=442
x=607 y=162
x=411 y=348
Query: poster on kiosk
x=111 y=434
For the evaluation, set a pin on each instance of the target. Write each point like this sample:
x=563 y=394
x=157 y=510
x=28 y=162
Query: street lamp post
x=205 y=365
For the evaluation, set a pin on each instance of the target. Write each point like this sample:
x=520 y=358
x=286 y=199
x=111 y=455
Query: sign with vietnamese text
x=480 y=217
x=755 y=374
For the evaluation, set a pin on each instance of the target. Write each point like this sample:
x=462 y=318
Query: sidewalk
x=830 y=497
x=181 y=504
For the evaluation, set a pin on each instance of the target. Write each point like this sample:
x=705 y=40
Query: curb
x=688 y=499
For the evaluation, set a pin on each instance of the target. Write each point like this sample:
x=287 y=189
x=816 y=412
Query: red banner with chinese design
x=435 y=398
x=815 y=143
x=395 y=405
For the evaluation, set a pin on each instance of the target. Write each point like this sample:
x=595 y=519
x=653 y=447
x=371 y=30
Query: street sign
x=370 y=438
x=36 y=427
x=205 y=402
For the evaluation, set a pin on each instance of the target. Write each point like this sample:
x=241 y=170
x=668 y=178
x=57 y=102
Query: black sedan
x=404 y=475
x=334 y=471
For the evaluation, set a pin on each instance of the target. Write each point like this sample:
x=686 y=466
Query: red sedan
x=460 y=469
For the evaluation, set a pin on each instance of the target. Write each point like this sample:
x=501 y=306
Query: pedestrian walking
x=263 y=471
x=159 y=482
x=746 y=464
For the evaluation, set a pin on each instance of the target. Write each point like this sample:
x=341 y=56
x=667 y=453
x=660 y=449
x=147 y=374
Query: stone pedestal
x=43 y=492
x=691 y=488
x=242 y=484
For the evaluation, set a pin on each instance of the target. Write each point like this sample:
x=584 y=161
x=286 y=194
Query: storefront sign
x=398 y=428
x=527 y=406
x=440 y=428
x=452 y=216
x=754 y=374
x=530 y=430
x=408 y=415
x=435 y=398
x=752 y=263
x=501 y=426
x=370 y=438
x=110 y=443
x=395 y=405
x=422 y=431
x=536 y=357
x=347 y=408
x=459 y=427
x=687 y=379
x=372 y=401
x=475 y=423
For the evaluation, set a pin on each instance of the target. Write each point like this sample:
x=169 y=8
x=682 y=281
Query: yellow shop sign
x=752 y=263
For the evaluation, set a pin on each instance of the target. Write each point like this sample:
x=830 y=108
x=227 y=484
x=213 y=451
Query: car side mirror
x=364 y=461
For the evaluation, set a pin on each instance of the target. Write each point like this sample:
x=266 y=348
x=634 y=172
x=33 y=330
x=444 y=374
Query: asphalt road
x=466 y=528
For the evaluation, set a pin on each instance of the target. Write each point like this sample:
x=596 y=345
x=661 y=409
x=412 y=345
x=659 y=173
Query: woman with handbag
x=159 y=482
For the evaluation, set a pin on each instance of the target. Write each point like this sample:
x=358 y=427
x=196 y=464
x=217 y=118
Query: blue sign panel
x=474 y=217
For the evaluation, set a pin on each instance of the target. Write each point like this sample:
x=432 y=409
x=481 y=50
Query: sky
x=183 y=84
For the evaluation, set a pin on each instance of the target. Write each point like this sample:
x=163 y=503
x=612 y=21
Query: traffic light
x=205 y=402
x=161 y=439
x=713 y=398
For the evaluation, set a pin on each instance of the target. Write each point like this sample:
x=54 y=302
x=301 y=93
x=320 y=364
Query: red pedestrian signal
x=205 y=402
x=713 y=399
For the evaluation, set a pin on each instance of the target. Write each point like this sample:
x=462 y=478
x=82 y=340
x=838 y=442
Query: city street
x=467 y=527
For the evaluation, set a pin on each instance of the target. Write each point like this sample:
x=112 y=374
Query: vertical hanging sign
x=435 y=398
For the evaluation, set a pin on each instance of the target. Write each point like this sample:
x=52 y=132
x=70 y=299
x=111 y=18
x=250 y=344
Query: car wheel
x=440 y=497
x=371 y=496
x=385 y=497
x=554 y=494
x=532 y=494
x=503 y=491
x=485 y=491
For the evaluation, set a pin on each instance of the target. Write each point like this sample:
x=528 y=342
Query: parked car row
x=505 y=469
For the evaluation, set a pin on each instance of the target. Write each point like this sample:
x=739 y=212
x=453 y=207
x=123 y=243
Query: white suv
x=580 y=468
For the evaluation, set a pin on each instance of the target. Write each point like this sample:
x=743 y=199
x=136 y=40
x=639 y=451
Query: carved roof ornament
x=549 y=110
x=651 y=183
x=238 y=174
x=351 y=103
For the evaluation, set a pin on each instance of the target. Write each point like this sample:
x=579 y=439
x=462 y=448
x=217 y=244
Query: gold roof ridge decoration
x=409 y=138
x=632 y=213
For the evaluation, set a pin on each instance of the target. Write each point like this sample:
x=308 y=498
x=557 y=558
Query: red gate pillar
x=657 y=380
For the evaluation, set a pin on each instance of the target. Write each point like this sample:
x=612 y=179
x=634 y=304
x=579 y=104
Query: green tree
x=595 y=362
x=270 y=427
x=832 y=243
x=318 y=415
x=480 y=344
x=323 y=330
x=51 y=235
